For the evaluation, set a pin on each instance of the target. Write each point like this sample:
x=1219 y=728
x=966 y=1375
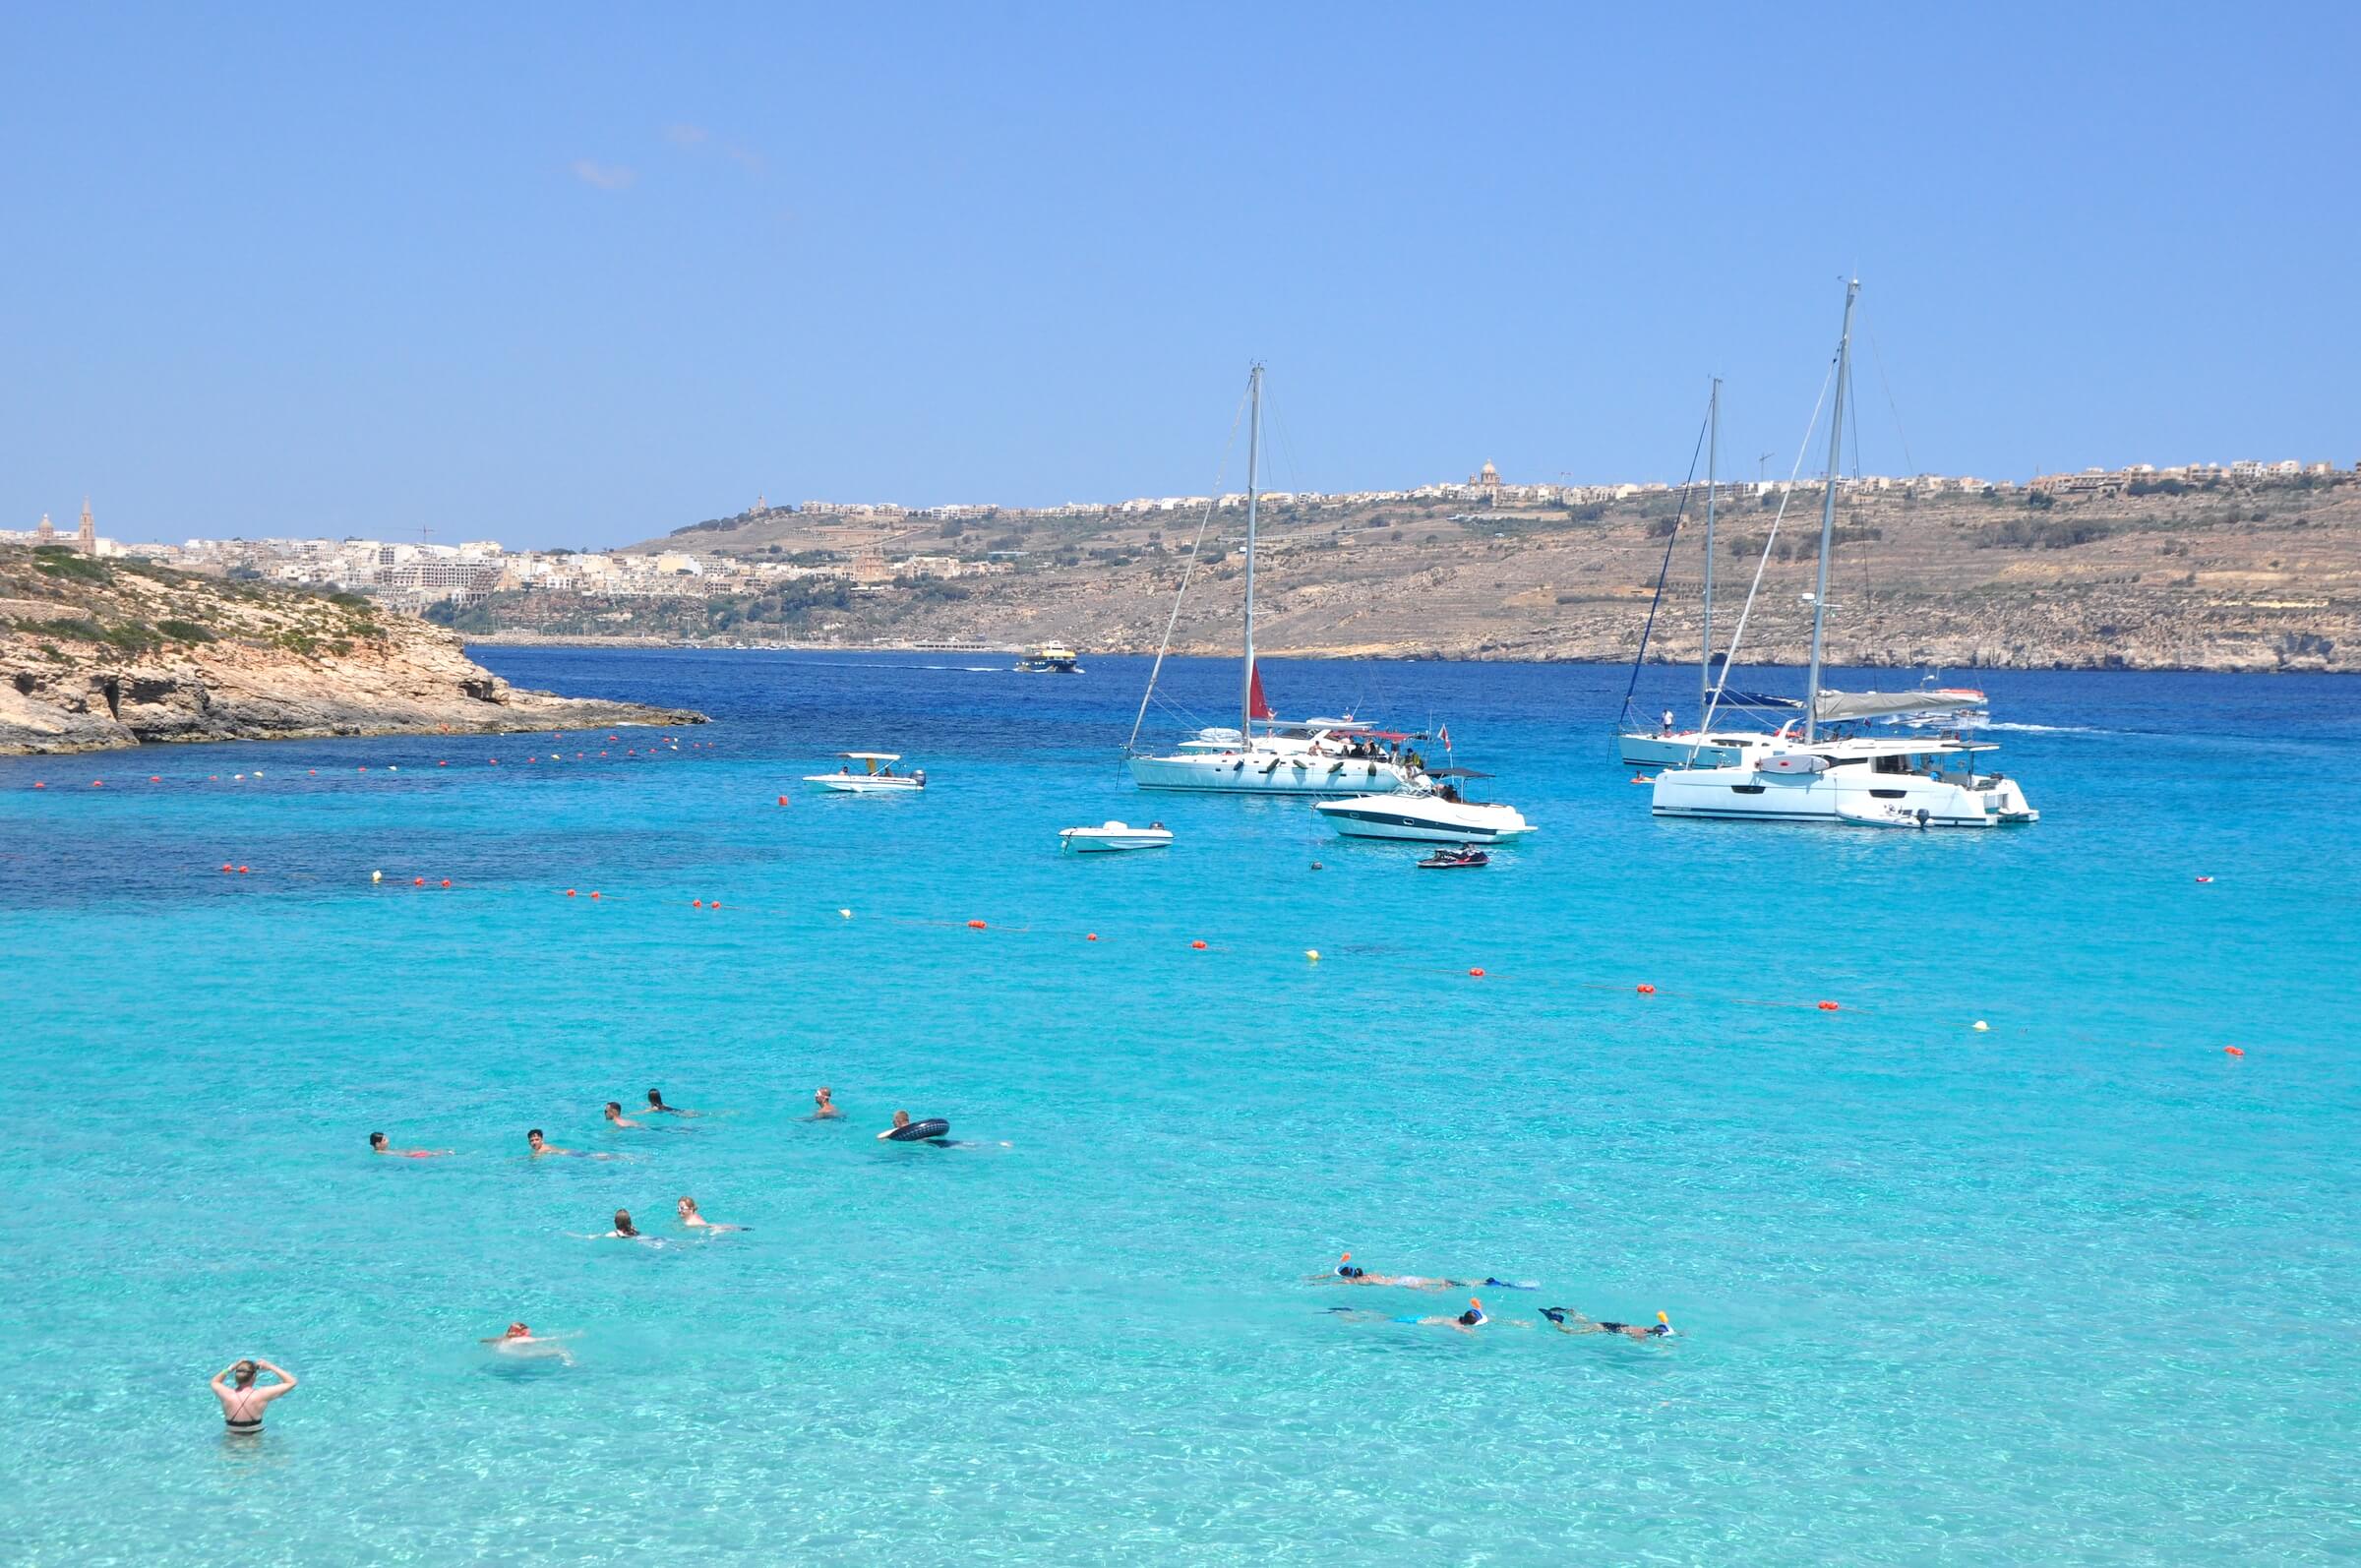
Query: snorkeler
x=657 y=1106
x=242 y=1403
x=616 y=1115
x=1348 y=1273
x=519 y=1341
x=1568 y=1321
x=698 y=1222
x=378 y=1145
x=823 y=1104
x=1467 y=1322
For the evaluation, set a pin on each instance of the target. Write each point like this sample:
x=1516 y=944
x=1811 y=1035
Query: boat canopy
x=1455 y=772
x=871 y=757
x=1838 y=707
x=1758 y=700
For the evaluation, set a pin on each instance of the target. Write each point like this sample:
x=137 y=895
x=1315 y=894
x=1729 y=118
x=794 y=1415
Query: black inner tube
x=932 y=1127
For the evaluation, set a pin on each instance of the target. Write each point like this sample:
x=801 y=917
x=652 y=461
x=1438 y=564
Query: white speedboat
x=876 y=775
x=1431 y=810
x=1263 y=756
x=1113 y=836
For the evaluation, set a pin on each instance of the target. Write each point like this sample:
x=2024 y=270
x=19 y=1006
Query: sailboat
x=1927 y=780
x=1265 y=755
x=1670 y=743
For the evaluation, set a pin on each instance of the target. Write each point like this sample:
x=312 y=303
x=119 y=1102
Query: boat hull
x=1424 y=820
x=1268 y=774
x=856 y=784
x=1840 y=795
x=1099 y=841
x=1685 y=749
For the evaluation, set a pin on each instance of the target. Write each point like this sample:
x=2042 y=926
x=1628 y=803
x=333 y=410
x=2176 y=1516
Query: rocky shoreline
x=98 y=655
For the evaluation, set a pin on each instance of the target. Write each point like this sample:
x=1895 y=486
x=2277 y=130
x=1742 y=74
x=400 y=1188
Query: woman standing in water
x=242 y=1401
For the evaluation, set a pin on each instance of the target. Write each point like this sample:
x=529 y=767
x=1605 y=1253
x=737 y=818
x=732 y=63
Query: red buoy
x=1092 y=938
x=594 y=892
x=241 y=870
x=417 y=882
x=975 y=924
x=1647 y=991
x=1198 y=946
x=1828 y=1007
x=568 y=892
x=156 y=778
x=1476 y=974
x=782 y=800
x=2232 y=1051
x=696 y=903
x=446 y=882
x=227 y=866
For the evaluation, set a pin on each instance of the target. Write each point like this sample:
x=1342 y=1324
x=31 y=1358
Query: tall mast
x=1828 y=514
x=1705 y=656
x=1246 y=694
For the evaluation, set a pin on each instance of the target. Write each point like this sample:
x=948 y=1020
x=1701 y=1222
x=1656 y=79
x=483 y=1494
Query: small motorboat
x=1882 y=816
x=1111 y=836
x=1451 y=860
x=876 y=775
x=1430 y=809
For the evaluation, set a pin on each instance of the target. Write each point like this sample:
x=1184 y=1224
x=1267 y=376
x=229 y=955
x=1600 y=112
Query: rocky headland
x=103 y=654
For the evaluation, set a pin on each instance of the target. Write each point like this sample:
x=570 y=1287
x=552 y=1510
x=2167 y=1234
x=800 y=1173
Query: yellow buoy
x=1312 y=953
x=377 y=876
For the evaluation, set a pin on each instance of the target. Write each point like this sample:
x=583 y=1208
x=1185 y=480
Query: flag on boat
x=1444 y=735
x=1257 y=707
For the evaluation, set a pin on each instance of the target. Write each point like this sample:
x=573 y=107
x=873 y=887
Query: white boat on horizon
x=876 y=775
x=1110 y=837
x=1431 y=811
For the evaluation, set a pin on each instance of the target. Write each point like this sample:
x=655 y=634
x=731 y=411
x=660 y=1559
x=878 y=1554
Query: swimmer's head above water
x=517 y=1331
x=1474 y=1315
x=533 y=1139
x=377 y=1141
x=623 y=1222
x=243 y=1375
x=1345 y=1269
x=901 y=1118
x=655 y=1100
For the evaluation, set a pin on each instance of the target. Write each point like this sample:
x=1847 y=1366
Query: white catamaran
x=1265 y=756
x=1927 y=780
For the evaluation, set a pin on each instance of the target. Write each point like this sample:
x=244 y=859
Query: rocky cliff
x=100 y=653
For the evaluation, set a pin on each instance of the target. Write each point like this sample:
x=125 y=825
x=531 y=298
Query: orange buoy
x=38 y=785
x=1476 y=974
x=227 y=866
x=568 y=892
x=1197 y=945
x=696 y=903
x=713 y=903
x=2232 y=1051
x=1091 y=938
x=1828 y=1007
x=241 y=870
x=446 y=882
x=156 y=778
x=98 y=783
x=594 y=892
x=445 y=763
x=1647 y=991
x=975 y=924
x=417 y=882
x=782 y=800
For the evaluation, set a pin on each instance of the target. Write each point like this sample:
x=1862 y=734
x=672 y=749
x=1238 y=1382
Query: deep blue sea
x=2080 y=1287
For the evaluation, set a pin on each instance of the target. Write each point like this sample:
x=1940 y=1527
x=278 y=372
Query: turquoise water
x=2079 y=1288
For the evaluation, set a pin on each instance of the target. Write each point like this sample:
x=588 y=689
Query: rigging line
x=1887 y=386
x=1665 y=568
x=1196 y=549
x=1731 y=659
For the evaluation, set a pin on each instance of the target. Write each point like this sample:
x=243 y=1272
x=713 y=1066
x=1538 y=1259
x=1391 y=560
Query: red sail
x=1257 y=707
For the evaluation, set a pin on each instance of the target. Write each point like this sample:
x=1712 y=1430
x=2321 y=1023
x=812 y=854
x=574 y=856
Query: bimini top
x=871 y=757
x=1455 y=772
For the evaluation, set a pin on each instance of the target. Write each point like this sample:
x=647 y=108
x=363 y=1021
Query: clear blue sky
x=581 y=274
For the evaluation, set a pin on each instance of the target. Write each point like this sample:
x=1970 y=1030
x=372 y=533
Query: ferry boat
x=1050 y=658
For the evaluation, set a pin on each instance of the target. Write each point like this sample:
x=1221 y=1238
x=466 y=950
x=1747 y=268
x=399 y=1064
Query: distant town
x=416 y=575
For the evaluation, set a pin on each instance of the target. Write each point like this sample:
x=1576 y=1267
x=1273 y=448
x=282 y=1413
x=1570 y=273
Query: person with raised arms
x=242 y=1400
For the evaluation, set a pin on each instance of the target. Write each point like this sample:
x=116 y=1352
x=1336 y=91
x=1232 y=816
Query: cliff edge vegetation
x=97 y=653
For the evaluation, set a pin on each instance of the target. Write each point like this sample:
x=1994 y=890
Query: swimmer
x=624 y=1230
x=1568 y=1321
x=242 y=1403
x=823 y=1104
x=657 y=1106
x=519 y=1341
x=616 y=1115
x=1467 y=1322
x=379 y=1145
x=698 y=1222
x=1347 y=1273
x=540 y=1146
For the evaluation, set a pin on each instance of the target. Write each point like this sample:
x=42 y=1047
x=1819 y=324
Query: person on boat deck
x=241 y=1402
x=844 y=768
x=1156 y=828
x=1447 y=792
x=1667 y=729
